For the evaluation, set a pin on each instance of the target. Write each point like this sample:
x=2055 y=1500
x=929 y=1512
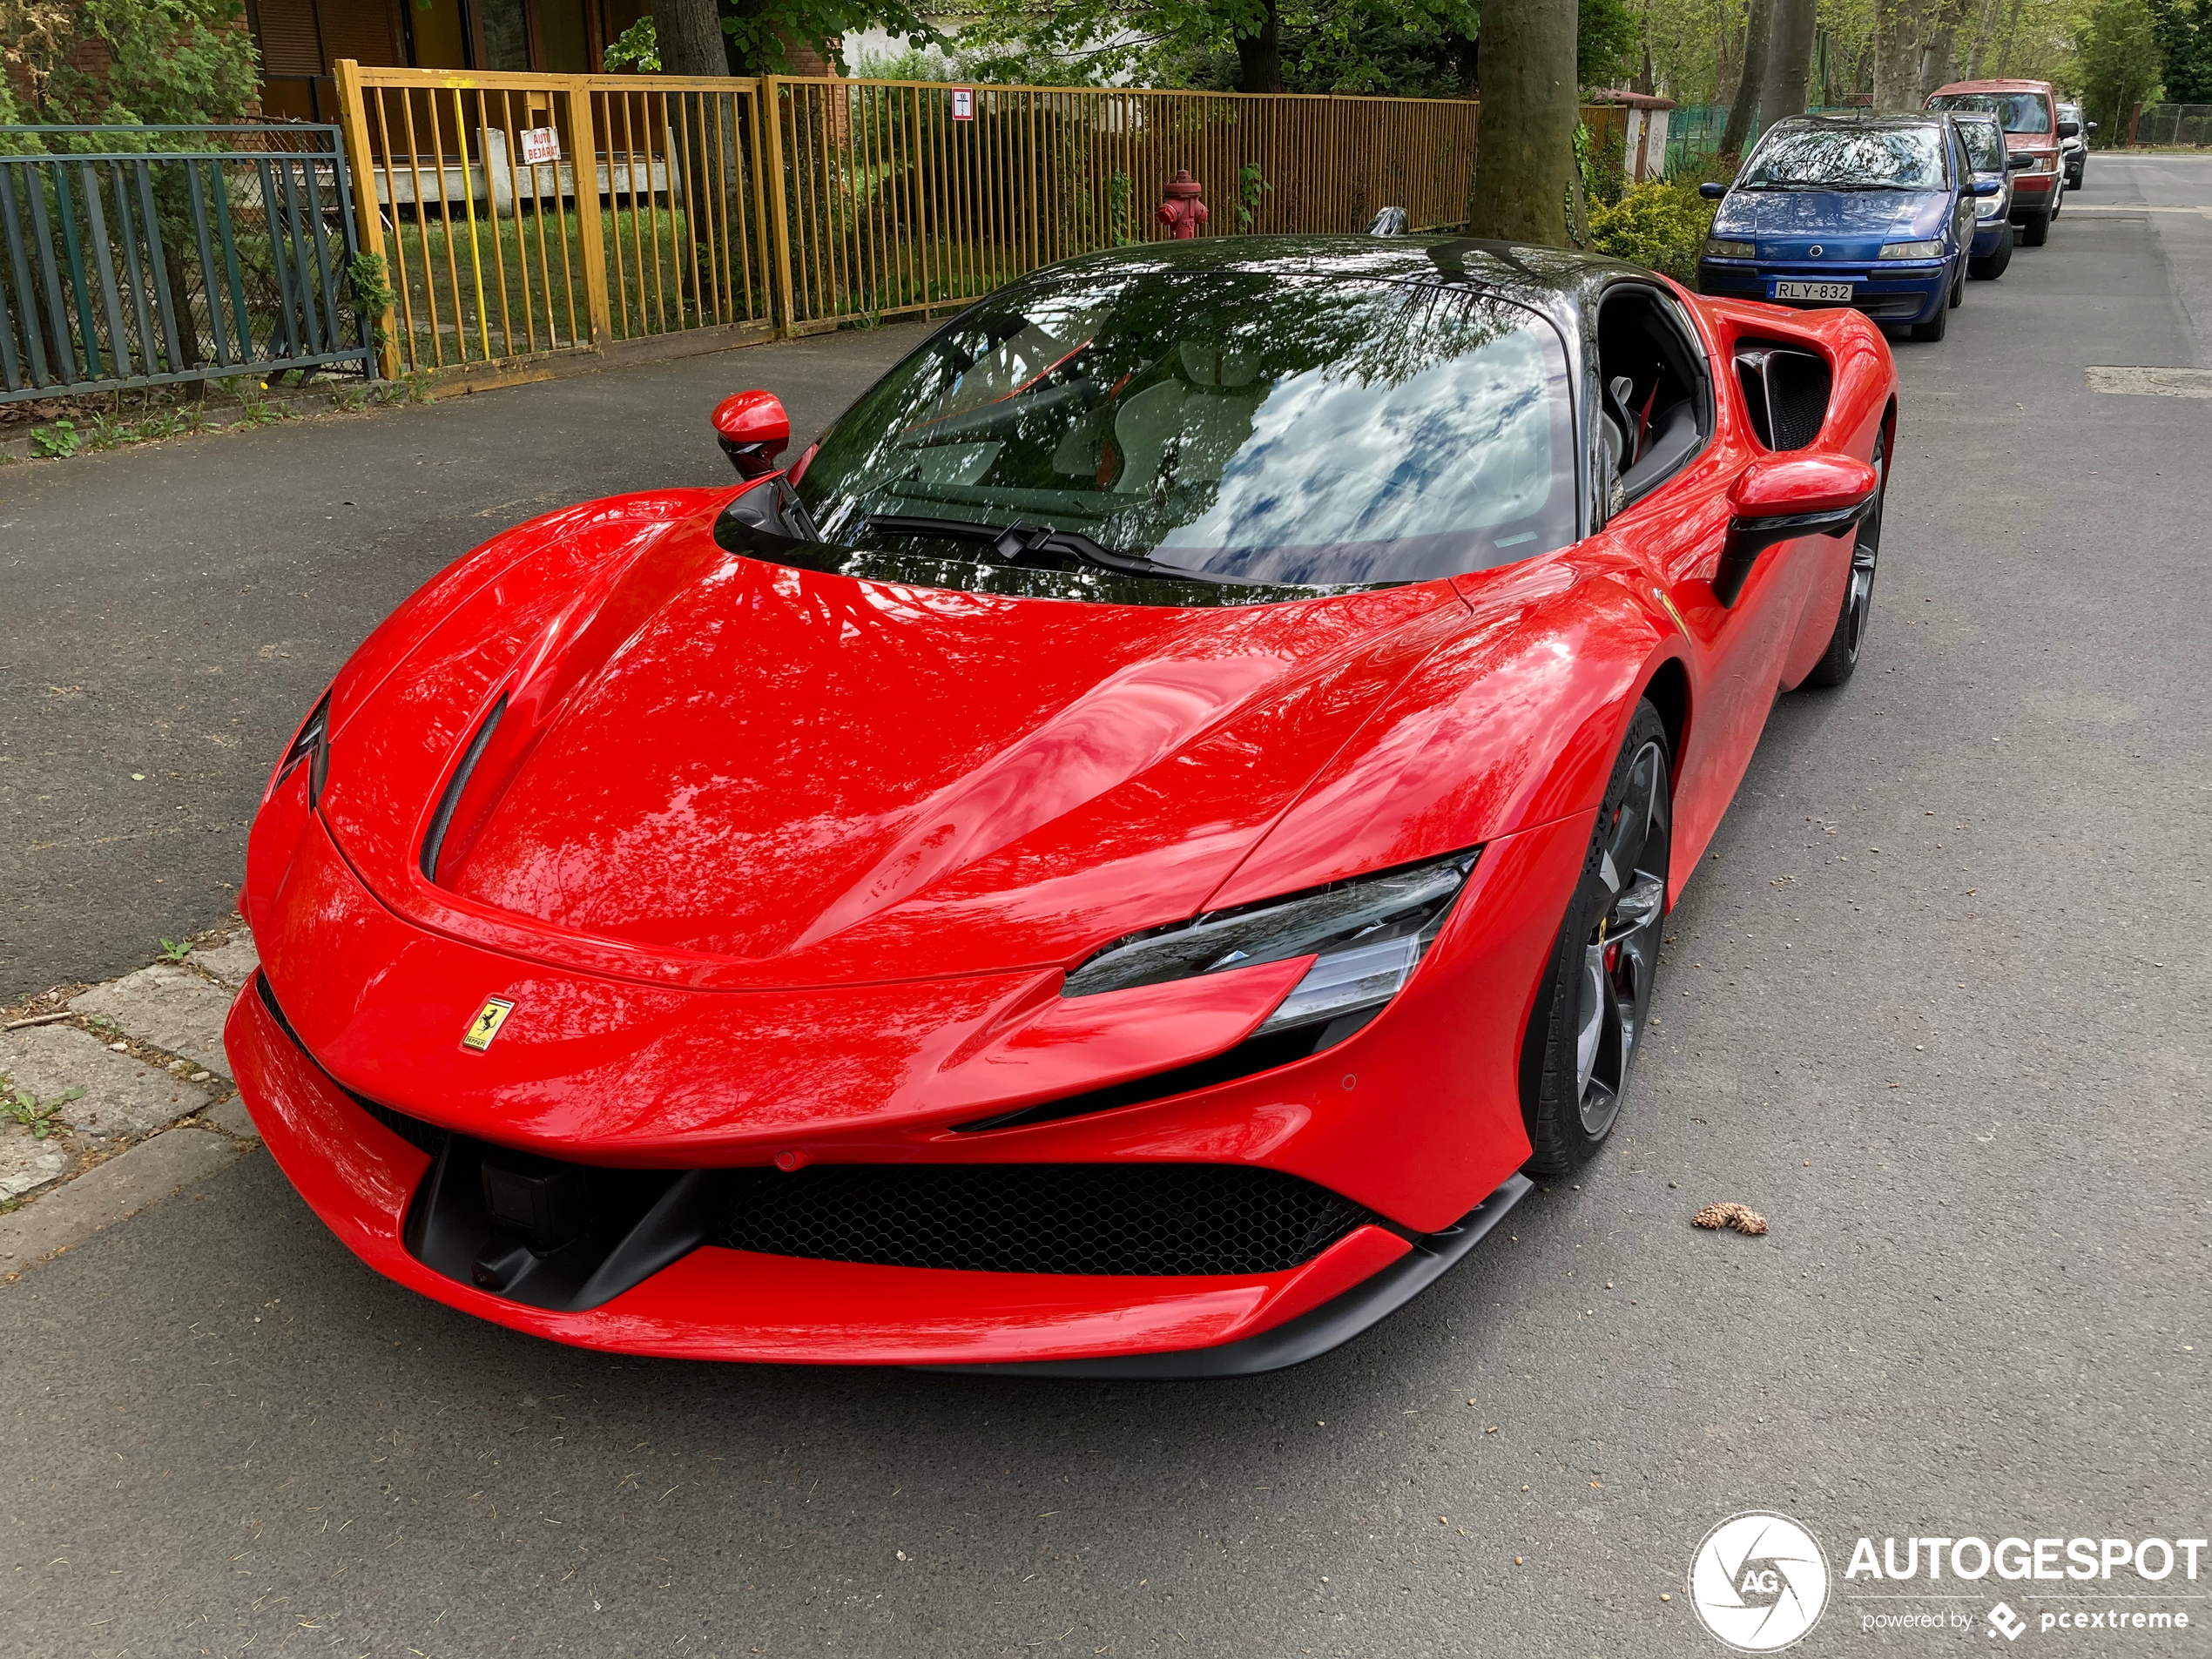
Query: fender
x=1513 y=723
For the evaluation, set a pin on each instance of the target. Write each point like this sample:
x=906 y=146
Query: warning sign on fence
x=963 y=103
x=541 y=145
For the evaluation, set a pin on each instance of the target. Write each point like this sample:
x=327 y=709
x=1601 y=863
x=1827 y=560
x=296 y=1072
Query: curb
x=128 y=1182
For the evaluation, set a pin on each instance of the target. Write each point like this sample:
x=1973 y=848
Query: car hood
x=716 y=769
x=1845 y=221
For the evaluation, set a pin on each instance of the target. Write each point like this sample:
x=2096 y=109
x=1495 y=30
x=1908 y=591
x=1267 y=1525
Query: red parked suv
x=2030 y=112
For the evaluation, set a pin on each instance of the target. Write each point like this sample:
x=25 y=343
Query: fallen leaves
x=1742 y=1217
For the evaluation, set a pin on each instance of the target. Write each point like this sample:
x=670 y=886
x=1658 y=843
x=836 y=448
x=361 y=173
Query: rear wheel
x=1588 y=1025
x=1841 y=657
x=2035 y=229
x=1990 y=265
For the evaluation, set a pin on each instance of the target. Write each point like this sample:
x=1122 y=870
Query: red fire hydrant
x=1183 y=211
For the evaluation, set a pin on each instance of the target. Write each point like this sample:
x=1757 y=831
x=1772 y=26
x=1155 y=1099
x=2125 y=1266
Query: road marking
x=2162 y=382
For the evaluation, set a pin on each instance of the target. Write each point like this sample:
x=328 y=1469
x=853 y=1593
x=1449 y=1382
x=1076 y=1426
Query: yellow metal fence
x=523 y=214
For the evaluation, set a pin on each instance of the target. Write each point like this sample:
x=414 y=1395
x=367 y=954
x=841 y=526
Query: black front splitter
x=1307 y=1337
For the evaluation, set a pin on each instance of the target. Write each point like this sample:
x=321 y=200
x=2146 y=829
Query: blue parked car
x=1986 y=154
x=1873 y=212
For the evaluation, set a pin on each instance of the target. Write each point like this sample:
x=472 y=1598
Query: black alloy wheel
x=1841 y=657
x=1589 y=1024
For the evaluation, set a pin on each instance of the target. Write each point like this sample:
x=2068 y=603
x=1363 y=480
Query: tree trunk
x=1897 y=27
x=689 y=34
x=1789 y=59
x=1744 y=108
x=1981 y=43
x=1524 y=156
x=1259 y=58
x=2011 y=28
x=1935 y=61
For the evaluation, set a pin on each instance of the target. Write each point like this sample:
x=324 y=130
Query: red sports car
x=1114 y=864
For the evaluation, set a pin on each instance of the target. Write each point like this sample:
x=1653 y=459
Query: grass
x=648 y=258
x=42 y=1120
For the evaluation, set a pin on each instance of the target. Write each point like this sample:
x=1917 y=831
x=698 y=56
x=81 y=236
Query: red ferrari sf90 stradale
x=1115 y=863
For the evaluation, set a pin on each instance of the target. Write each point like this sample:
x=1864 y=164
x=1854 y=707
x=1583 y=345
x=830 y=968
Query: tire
x=1958 y=288
x=1578 y=1056
x=1934 y=331
x=1841 y=658
x=2035 y=229
x=1990 y=265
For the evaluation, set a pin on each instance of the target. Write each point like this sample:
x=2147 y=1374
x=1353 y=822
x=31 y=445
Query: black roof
x=1553 y=281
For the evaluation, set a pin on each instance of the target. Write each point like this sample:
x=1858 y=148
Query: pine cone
x=1743 y=1217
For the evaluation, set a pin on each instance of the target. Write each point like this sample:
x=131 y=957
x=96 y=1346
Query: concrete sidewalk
x=171 y=610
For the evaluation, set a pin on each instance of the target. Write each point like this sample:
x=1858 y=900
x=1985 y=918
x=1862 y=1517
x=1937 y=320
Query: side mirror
x=2019 y=163
x=1712 y=193
x=754 y=431
x=2069 y=129
x=1989 y=187
x=2091 y=127
x=1778 y=498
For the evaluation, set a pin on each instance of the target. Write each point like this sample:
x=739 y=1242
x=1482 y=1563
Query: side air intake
x=1786 y=388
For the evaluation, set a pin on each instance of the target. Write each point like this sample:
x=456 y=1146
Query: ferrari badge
x=485 y=1026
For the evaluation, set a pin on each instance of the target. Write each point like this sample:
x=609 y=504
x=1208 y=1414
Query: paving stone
x=27 y=1164
x=231 y=1117
x=108 y=1193
x=233 y=962
x=122 y=1097
x=171 y=1008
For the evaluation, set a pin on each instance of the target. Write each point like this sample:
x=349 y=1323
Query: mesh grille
x=1154 y=1218
x=1798 y=386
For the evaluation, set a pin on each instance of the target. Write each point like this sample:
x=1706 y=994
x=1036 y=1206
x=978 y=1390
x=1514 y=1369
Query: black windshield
x=2020 y=112
x=1847 y=157
x=1237 y=426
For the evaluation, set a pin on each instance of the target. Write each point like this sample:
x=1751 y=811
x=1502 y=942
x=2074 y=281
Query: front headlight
x=1990 y=207
x=1720 y=248
x=1367 y=935
x=312 y=749
x=1933 y=249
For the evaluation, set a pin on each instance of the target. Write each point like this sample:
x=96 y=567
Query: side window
x=1654 y=397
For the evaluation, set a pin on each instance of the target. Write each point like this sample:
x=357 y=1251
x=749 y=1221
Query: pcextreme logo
x=1759 y=1582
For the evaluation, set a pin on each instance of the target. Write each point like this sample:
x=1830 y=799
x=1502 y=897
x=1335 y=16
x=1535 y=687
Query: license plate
x=1812 y=291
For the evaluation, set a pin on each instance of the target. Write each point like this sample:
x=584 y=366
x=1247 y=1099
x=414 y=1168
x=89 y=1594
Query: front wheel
x=1837 y=663
x=1990 y=265
x=1934 y=331
x=1587 y=1024
x=1958 y=287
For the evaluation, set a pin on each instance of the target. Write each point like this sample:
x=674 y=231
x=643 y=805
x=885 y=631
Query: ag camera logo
x=1759 y=1582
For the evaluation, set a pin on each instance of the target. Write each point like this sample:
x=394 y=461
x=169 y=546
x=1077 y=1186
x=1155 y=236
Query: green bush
x=1660 y=224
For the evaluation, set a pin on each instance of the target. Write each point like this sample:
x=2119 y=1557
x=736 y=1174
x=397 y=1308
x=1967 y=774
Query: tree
x=2184 y=33
x=1524 y=156
x=1744 y=108
x=2120 y=59
x=688 y=34
x=1788 y=60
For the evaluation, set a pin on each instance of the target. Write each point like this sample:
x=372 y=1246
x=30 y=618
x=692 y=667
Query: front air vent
x=435 y=839
x=1137 y=1218
x=1786 y=387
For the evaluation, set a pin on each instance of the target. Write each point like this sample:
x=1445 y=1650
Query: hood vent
x=435 y=839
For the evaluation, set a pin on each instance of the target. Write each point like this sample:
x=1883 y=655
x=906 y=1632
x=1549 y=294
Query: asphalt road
x=168 y=614
x=1936 y=1007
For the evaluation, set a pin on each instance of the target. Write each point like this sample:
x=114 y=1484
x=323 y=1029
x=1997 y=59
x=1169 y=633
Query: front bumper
x=363 y=1176
x=1413 y=1121
x=1890 y=294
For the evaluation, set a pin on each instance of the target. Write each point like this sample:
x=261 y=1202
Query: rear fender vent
x=1786 y=387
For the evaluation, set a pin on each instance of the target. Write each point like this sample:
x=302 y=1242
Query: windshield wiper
x=1020 y=541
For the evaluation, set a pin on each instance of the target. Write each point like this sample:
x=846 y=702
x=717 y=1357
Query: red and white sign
x=540 y=145
x=963 y=103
